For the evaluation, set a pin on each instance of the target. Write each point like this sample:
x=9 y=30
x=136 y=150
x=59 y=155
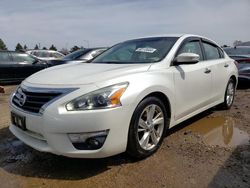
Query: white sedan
x=126 y=99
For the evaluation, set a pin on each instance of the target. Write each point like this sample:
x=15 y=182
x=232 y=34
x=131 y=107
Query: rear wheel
x=147 y=128
x=229 y=94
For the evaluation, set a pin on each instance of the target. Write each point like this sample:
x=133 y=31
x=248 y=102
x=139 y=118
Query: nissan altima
x=126 y=99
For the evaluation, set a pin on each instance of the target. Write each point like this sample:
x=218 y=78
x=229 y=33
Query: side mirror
x=186 y=58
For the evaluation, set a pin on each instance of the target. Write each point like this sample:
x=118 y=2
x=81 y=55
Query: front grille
x=32 y=101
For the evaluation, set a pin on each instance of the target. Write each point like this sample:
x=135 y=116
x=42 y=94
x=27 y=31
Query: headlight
x=108 y=97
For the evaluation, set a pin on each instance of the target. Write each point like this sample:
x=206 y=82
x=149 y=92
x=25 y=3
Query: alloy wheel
x=230 y=93
x=150 y=127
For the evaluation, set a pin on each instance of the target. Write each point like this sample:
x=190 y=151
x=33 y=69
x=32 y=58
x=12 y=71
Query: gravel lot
x=210 y=150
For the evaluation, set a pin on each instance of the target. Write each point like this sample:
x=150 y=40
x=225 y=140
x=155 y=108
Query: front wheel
x=147 y=128
x=229 y=94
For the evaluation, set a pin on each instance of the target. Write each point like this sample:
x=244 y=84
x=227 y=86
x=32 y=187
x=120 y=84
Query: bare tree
x=237 y=42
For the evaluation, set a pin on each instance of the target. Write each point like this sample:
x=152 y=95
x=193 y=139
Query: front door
x=192 y=82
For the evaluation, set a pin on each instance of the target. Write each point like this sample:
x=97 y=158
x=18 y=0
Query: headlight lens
x=108 y=97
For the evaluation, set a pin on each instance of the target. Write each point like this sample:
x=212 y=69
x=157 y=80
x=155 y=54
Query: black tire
x=134 y=148
x=226 y=105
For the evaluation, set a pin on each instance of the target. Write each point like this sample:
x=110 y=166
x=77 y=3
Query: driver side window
x=191 y=47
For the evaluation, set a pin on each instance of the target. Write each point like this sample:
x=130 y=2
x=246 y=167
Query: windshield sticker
x=146 y=50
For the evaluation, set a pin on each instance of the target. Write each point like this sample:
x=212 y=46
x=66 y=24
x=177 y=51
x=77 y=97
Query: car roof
x=178 y=36
x=175 y=35
x=42 y=51
x=12 y=51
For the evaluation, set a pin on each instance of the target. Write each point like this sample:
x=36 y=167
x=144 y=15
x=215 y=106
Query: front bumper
x=49 y=132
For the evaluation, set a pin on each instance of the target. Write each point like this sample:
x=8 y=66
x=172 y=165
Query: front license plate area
x=18 y=121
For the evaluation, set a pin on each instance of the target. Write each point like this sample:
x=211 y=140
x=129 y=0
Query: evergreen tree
x=53 y=48
x=19 y=47
x=25 y=47
x=2 y=45
x=36 y=47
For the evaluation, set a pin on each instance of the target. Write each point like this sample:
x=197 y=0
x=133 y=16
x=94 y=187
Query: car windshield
x=146 y=50
x=75 y=54
x=237 y=51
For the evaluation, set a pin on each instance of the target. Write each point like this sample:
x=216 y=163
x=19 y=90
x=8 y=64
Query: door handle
x=207 y=71
x=226 y=65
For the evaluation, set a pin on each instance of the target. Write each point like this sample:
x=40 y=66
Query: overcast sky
x=105 y=22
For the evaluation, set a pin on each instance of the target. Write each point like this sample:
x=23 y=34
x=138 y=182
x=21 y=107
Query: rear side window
x=35 y=53
x=4 y=57
x=57 y=55
x=43 y=54
x=52 y=55
x=211 y=51
x=191 y=47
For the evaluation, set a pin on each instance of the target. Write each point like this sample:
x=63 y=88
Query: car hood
x=83 y=73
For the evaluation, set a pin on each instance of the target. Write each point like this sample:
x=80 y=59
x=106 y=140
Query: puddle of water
x=219 y=131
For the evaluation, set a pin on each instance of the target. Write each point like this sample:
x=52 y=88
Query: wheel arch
x=234 y=78
x=130 y=149
x=163 y=98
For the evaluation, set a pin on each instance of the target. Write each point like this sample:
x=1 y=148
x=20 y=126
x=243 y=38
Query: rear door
x=219 y=65
x=192 y=81
x=25 y=65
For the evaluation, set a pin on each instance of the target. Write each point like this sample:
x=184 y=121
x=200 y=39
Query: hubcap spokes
x=150 y=127
x=230 y=93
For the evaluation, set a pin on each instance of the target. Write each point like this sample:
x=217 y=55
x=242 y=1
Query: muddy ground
x=210 y=150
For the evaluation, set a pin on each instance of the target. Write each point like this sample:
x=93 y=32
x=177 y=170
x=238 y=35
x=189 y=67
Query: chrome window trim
x=63 y=91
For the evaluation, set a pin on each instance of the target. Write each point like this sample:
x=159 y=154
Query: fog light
x=88 y=141
x=93 y=143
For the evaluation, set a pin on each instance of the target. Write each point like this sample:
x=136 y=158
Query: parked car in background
x=244 y=70
x=238 y=52
x=16 y=66
x=125 y=99
x=81 y=55
x=238 y=57
x=45 y=55
x=241 y=54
